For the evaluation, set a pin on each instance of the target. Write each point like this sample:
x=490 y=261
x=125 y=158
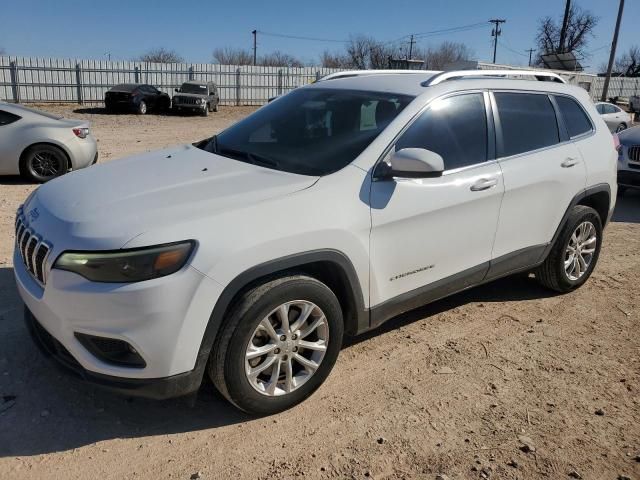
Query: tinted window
x=610 y=108
x=454 y=127
x=600 y=108
x=6 y=118
x=311 y=131
x=574 y=117
x=528 y=122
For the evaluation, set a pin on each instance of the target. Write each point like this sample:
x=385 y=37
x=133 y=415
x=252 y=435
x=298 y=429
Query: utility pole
x=531 y=50
x=411 y=42
x=565 y=25
x=255 y=46
x=495 y=33
x=612 y=55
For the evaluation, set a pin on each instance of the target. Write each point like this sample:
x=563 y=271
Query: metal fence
x=41 y=80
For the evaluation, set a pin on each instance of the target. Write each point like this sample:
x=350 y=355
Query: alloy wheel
x=286 y=348
x=45 y=165
x=580 y=250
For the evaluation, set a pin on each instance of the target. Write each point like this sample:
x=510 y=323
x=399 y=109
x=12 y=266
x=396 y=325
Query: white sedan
x=615 y=118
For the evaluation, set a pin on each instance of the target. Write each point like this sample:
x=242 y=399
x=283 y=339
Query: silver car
x=615 y=118
x=41 y=146
x=629 y=159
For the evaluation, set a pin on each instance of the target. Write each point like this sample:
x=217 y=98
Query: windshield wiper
x=248 y=156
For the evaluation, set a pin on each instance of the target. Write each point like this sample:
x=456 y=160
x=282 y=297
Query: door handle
x=483 y=184
x=569 y=162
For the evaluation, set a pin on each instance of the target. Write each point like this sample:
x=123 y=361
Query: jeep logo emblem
x=33 y=214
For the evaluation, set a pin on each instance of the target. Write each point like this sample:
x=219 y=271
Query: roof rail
x=459 y=74
x=363 y=73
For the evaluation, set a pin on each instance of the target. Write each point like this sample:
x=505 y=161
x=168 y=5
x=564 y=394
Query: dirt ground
x=504 y=381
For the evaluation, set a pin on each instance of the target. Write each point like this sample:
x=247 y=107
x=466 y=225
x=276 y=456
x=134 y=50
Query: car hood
x=630 y=136
x=105 y=206
x=190 y=95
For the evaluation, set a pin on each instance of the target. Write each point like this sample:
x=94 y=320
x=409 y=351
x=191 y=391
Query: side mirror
x=412 y=163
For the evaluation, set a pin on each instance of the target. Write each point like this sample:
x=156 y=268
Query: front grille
x=33 y=249
x=187 y=100
x=634 y=153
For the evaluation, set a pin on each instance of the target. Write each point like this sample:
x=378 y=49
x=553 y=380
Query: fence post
x=191 y=72
x=238 y=86
x=79 y=84
x=136 y=74
x=15 y=87
x=317 y=75
x=280 y=82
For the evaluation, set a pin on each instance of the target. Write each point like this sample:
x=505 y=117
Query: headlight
x=124 y=266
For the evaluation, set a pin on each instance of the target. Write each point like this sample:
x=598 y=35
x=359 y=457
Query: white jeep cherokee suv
x=249 y=255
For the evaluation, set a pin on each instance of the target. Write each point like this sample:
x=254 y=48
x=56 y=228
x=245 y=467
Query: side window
x=574 y=117
x=610 y=109
x=528 y=122
x=454 y=127
x=600 y=108
x=6 y=118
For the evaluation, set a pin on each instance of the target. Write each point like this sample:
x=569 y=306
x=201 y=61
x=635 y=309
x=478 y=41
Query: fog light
x=111 y=350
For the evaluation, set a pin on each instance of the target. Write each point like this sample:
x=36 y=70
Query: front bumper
x=162 y=319
x=155 y=388
x=189 y=106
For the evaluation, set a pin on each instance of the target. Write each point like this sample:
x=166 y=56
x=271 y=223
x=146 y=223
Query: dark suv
x=201 y=97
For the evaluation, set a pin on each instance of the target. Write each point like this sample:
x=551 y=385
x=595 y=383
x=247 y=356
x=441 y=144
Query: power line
x=296 y=37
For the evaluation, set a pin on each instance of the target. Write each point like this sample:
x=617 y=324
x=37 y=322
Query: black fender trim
x=601 y=187
x=355 y=321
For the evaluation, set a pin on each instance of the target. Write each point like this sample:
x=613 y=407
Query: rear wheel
x=278 y=346
x=575 y=253
x=205 y=111
x=215 y=107
x=42 y=163
x=621 y=127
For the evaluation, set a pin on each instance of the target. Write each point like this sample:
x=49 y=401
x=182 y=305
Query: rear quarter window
x=575 y=118
x=6 y=118
x=528 y=122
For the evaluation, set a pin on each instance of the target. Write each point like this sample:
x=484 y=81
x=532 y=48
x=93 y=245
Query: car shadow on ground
x=15 y=180
x=628 y=207
x=103 y=111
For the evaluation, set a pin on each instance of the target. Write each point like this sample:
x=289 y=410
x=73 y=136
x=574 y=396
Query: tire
x=141 y=109
x=552 y=273
x=227 y=363
x=216 y=107
x=621 y=127
x=205 y=111
x=41 y=163
x=210 y=107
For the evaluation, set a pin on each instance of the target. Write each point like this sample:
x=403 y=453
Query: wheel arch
x=331 y=267
x=64 y=150
x=597 y=197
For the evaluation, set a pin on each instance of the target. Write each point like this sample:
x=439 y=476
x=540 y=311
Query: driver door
x=434 y=236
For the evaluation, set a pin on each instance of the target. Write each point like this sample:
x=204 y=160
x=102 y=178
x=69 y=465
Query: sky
x=126 y=29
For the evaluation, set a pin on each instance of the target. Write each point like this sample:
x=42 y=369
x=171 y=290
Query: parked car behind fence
x=136 y=97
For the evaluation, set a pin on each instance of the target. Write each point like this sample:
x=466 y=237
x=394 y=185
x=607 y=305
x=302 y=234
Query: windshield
x=310 y=131
x=191 y=88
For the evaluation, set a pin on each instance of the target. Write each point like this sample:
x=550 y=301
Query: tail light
x=616 y=141
x=81 y=132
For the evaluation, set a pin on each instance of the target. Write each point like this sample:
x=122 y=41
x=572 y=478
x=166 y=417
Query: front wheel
x=278 y=345
x=575 y=252
x=142 y=108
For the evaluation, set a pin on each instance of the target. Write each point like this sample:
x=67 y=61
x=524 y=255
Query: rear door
x=438 y=229
x=543 y=170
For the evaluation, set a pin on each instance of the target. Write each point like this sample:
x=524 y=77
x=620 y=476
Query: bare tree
x=436 y=58
x=161 y=55
x=629 y=63
x=279 y=59
x=232 y=56
x=365 y=52
x=335 y=60
x=571 y=35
